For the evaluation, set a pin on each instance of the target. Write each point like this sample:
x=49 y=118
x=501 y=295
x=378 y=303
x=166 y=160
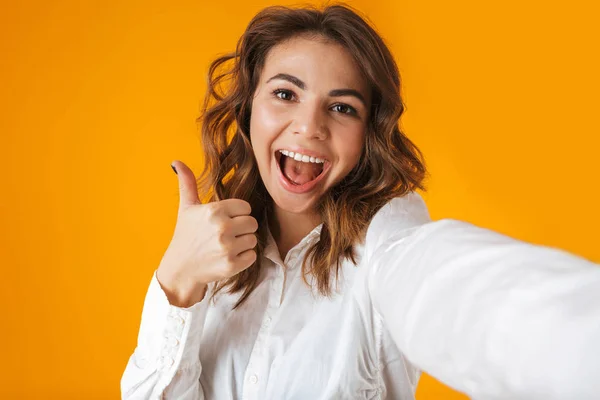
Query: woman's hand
x=211 y=242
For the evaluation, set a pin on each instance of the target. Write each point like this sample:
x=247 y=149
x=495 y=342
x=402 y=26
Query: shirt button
x=177 y=321
x=172 y=341
x=166 y=362
x=253 y=379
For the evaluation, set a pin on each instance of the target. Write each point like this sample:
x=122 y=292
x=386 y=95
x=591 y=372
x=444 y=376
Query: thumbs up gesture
x=212 y=241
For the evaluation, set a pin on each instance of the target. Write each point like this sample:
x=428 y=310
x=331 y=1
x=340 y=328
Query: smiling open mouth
x=299 y=172
x=302 y=175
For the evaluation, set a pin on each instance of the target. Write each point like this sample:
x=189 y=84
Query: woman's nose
x=311 y=122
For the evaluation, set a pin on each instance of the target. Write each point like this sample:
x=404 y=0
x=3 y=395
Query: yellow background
x=99 y=97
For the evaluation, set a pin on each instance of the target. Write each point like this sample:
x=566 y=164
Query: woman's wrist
x=178 y=294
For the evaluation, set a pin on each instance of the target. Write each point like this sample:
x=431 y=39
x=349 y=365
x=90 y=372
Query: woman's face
x=311 y=99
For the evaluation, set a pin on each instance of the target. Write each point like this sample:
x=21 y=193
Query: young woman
x=311 y=269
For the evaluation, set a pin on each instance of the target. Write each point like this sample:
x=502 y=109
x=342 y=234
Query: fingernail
x=174 y=170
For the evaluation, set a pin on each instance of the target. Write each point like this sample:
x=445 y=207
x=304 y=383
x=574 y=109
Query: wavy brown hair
x=390 y=165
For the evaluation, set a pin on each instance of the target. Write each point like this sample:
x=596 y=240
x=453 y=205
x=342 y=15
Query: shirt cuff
x=170 y=336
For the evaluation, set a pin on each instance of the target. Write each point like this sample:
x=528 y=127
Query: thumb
x=188 y=189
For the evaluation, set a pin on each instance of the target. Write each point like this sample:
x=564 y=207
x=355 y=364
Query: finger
x=235 y=207
x=188 y=189
x=243 y=224
x=244 y=242
x=246 y=259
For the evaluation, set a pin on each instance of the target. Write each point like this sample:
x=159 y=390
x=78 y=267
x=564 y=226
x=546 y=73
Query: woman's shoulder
x=400 y=216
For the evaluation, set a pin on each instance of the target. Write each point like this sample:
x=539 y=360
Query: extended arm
x=489 y=315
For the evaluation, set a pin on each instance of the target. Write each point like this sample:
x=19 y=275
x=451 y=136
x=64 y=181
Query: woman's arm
x=166 y=361
x=489 y=315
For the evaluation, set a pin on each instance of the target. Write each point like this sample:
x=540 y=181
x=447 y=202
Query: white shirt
x=489 y=315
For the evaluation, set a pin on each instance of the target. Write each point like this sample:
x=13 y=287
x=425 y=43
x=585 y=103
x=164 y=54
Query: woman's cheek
x=270 y=116
x=350 y=137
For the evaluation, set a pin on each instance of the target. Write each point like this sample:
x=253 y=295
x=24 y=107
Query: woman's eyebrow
x=334 y=93
x=289 y=78
x=348 y=92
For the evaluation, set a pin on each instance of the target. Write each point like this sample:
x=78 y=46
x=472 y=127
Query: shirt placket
x=257 y=370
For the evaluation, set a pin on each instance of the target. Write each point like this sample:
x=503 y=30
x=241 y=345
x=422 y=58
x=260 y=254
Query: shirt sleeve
x=489 y=315
x=166 y=361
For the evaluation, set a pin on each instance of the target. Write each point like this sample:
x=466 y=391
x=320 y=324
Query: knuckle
x=230 y=264
x=224 y=229
x=230 y=258
x=221 y=237
x=212 y=212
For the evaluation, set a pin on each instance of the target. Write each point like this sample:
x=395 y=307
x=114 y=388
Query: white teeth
x=302 y=157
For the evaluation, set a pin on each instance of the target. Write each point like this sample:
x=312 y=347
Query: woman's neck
x=288 y=229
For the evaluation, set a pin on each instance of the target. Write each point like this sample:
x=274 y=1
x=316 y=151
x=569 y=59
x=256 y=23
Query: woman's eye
x=344 y=109
x=284 y=94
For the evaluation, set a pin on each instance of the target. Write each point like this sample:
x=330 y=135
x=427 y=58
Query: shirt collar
x=272 y=252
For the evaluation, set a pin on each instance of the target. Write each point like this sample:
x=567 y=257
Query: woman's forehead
x=316 y=61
